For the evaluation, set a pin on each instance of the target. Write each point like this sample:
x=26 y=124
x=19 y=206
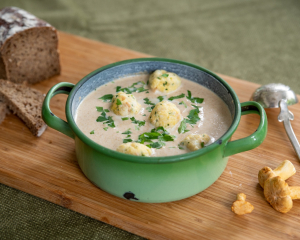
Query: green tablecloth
x=255 y=40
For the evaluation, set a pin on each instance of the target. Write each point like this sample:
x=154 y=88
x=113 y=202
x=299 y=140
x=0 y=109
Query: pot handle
x=50 y=119
x=255 y=139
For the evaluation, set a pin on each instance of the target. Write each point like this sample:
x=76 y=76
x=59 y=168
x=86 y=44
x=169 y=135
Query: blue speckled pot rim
x=139 y=159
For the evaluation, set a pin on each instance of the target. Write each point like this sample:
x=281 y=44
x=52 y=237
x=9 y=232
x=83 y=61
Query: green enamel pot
x=153 y=179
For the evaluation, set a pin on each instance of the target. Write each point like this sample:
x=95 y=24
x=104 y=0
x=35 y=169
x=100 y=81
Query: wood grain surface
x=46 y=167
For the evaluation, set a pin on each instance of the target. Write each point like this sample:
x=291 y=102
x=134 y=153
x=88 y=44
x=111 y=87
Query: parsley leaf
x=182 y=126
x=106 y=120
x=147 y=101
x=180 y=146
x=127 y=131
x=183 y=103
x=160 y=98
x=138 y=122
x=192 y=119
x=92 y=132
x=119 y=101
x=157 y=145
x=99 y=109
x=149 y=109
x=127 y=140
x=159 y=134
x=105 y=128
x=193 y=99
x=106 y=98
x=133 y=88
x=125 y=118
x=176 y=97
x=165 y=75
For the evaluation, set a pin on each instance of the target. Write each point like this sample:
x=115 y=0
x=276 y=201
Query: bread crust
x=26 y=103
x=28 y=47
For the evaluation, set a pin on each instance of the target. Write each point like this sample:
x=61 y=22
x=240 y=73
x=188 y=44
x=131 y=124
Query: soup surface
x=215 y=118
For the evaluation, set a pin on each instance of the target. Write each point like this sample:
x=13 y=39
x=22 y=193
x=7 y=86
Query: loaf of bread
x=3 y=111
x=28 y=47
x=26 y=103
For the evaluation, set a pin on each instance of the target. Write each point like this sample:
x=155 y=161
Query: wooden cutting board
x=46 y=167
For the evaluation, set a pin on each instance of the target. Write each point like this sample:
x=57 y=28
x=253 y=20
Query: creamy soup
x=215 y=117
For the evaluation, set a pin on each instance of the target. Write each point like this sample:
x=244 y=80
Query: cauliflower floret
x=125 y=104
x=136 y=149
x=165 y=114
x=164 y=81
x=195 y=141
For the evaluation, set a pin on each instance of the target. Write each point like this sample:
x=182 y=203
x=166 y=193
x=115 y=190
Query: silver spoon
x=276 y=95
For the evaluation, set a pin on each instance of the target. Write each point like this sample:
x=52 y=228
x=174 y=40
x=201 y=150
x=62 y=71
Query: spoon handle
x=285 y=116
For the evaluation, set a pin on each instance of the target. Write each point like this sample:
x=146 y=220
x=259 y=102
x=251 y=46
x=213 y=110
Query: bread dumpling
x=133 y=148
x=195 y=141
x=165 y=114
x=125 y=104
x=164 y=81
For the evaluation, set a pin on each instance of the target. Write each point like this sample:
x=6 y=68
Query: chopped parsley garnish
x=106 y=120
x=92 y=132
x=183 y=103
x=176 y=97
x=193 y=99
x=147 y=101
x=193 y=116
x=100 y=109
x=127 y=140
x=192 y=119
x=182 y=127
x=157 y=145
x=202 y=144
x=144 y=115
x=127 y=131
x=119 y=101
x=106 y=98
x=125 y=118
x=138 y=122
x=165 y=83
x=160 y=98
x=180 y=146
x=165 y=75
x=105 y=128
x=159 y=134
x=149 y=109
x=133 y=88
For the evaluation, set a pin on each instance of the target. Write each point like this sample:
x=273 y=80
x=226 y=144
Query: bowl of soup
x=151 y=129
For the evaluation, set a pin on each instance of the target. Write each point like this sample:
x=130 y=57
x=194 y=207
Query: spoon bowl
x=270 y=95
x=276 y=95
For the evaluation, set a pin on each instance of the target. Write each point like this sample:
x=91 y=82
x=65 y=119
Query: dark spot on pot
x=129 y=195
x=51 y=114
x=248 y=108
x=219 y=141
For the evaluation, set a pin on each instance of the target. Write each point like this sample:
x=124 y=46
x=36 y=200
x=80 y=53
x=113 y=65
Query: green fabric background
x=255 y=40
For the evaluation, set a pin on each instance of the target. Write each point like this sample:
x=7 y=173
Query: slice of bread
x=26 y=103
x=3 y=111
x=28 y=47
